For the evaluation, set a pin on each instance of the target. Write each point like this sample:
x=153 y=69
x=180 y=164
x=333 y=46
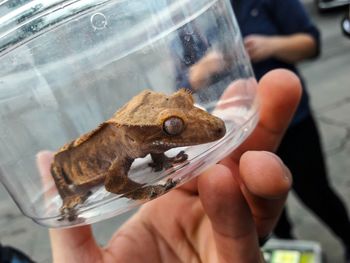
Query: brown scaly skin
x=151 y=123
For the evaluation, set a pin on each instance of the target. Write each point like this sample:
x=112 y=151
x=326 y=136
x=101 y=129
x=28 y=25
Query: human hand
x=216 y=217
x=200 y=73
x=290 y=48
x=259 y=47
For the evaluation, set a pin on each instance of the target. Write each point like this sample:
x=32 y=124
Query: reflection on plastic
x=98 y=21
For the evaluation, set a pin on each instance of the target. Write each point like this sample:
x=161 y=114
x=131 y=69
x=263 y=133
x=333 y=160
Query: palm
x=214 y=218
x=172 y=227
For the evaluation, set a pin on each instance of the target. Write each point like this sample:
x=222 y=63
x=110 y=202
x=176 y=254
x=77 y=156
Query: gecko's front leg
x=118 y=182
x=161 y=161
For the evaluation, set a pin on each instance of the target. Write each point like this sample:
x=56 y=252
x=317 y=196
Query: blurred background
x=328 y=81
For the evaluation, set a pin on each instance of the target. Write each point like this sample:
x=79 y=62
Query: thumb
x=233 y=225
x=74 y=245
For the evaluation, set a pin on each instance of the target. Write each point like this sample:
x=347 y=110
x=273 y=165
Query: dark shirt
x=276 y=17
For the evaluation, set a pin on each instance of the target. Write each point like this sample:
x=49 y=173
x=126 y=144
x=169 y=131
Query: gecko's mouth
x=169 y=145
x=208 y=136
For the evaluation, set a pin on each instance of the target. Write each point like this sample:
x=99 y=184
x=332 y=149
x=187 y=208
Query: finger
x=43 y=162
x=74 y=245
x=233 y=226
x=249 y=47
x=190 y=187
x=253 y=54
x=279 y=92
x=265 y=183
x=250 y=50
x=249 y=41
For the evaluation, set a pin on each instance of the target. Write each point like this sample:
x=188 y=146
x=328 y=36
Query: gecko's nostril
x=221 y=132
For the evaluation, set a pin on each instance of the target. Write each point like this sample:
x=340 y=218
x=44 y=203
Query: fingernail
x=286 y=172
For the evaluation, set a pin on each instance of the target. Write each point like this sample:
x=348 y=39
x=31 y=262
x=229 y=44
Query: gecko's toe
x=181 y=157
x=68 y=210
x=153 y=194
x=158 y=190
x=67 y=214
x=170 y=183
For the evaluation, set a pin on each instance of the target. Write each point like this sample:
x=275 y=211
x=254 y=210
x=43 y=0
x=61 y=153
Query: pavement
x=328 y=81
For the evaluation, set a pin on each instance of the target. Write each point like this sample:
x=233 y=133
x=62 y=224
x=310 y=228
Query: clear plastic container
x=67 y=66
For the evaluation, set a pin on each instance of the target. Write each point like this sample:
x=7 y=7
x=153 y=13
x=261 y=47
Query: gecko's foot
x=151 y=191
x=168 y=162
x=179 y=158
x=68 y=209
x=170 y=183
x=158 y=190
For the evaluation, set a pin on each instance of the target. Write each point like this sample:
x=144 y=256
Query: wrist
x=274 y=45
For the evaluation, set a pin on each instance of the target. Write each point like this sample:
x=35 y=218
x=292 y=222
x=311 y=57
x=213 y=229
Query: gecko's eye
x=173 y=126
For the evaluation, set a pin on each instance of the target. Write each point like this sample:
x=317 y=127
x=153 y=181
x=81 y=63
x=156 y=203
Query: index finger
x=279 y=92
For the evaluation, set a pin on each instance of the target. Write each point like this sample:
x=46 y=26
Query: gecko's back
x=88 y=161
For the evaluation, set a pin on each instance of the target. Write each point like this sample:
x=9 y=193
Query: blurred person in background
x=279 y=34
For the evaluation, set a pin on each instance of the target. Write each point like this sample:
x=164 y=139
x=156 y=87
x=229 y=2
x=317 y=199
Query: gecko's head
x=177 y=122
x=187 y=127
